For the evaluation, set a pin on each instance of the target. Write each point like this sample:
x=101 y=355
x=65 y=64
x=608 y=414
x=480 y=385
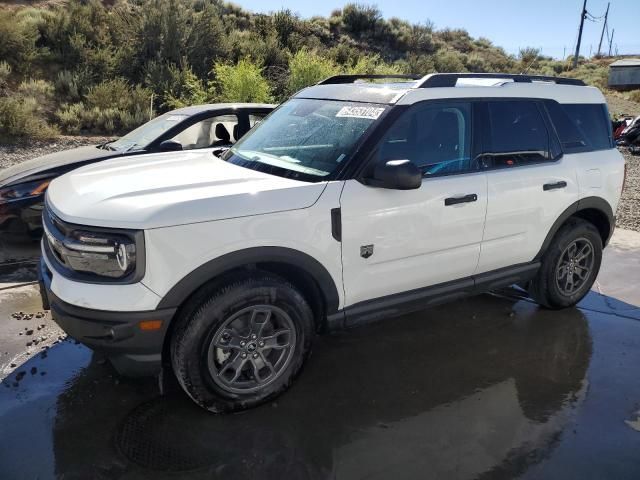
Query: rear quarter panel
x=601 y=174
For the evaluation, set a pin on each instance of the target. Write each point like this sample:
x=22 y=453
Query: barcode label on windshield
x=360 y=112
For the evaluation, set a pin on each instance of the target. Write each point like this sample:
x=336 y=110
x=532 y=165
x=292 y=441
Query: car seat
x=223 y=136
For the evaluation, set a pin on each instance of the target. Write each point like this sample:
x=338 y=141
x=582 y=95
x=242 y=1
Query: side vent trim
x=336 y=224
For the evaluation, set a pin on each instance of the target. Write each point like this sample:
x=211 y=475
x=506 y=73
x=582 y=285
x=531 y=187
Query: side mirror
x=170 y=146
x=397 y=175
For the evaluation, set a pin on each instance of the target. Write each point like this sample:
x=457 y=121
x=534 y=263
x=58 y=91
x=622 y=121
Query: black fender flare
x=249 y=256
x=596 y=203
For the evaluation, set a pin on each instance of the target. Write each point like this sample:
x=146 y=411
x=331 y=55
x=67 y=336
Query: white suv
x=351 y=202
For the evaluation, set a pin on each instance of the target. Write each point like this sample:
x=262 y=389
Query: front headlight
x=24 y=190
x=92 y=253
x=102 y=254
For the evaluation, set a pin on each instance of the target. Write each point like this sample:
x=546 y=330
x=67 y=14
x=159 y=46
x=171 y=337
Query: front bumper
x=132 y=350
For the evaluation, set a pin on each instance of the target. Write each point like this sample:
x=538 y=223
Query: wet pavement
x=488 y=387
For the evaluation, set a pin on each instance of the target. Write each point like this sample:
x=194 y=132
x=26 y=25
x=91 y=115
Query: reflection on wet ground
x=16 y=249
x=489 y=387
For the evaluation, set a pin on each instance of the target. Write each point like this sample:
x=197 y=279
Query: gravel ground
x=628 y=210
x=12 y=154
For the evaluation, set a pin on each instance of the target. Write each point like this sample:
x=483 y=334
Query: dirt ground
x=13 y=154
x=618 y=105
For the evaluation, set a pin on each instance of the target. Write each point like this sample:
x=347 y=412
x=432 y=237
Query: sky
x=550 y=25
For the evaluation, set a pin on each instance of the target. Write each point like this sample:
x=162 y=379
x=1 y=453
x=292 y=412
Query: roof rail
x=450 y=79
x=352 y=78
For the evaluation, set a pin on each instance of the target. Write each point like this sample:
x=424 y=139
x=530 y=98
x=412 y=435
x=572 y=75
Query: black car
x=22 y=186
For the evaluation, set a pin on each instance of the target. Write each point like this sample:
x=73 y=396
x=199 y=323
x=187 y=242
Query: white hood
x=167 y=189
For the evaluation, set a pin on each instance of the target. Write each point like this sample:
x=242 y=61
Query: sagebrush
x=109 y=66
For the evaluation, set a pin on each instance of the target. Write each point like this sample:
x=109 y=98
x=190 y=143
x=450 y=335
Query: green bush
x=112 y=106
x=73 y=85
x=109 y=94
x=307 y=68
x=186 y=89
x=112 y=120
x=17 y=41
x=419 y=64
x=449 y=61
x=285 y=23
x=373 y=65
x=70 y=118
x=242 y=82
x=77 y=118
x=20 y=117
x=594 y=74
x=476 y=63
x=206 y=42
x=361 y=19
x=41 y=90
x=5 y=71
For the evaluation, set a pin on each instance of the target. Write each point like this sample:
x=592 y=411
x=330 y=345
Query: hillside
x=98 y=67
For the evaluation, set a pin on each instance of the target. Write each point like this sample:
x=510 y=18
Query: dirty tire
x=544 y=288
x=199 y=328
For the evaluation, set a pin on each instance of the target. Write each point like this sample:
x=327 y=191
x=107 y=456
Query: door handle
x=472 y=197
x=553 y=186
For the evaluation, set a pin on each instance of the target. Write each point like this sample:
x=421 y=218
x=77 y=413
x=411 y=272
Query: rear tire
x=241 y=344
x=569 y=266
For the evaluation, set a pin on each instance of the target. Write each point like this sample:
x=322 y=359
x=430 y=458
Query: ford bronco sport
x=351 y=202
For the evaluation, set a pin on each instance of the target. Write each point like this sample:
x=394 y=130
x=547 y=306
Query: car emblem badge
x=366 y=251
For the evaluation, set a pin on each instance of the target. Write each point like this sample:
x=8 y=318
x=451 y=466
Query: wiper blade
x=218 y=152
x=107 y=146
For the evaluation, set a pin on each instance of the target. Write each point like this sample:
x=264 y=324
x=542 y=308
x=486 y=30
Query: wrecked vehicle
x=22 y=186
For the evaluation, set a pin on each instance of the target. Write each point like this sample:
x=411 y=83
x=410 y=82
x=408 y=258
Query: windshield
x=143 y=135
x=305 y=139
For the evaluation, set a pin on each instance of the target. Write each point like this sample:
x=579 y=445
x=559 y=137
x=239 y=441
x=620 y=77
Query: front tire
x=242 y=344
x=569 y=266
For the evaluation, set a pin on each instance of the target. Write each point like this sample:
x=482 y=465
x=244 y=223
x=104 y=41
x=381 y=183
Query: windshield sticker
x=174 y=118
x=360 y=112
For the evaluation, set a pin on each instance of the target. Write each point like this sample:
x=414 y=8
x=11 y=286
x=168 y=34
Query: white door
x=399 y=240
x=529 y=185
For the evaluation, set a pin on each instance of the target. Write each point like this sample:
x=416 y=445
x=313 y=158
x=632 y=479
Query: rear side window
x=581 y=127
x=517 y=134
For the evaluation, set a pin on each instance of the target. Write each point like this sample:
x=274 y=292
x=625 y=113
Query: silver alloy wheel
x=574 y=266
x=251 y=348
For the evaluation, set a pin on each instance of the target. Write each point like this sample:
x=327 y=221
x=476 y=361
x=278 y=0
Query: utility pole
x=604 y=26
x=583 y=15
x=611 y=40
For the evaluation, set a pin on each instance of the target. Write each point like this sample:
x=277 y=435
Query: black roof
x=195 y=109
x=386 y=93
x=352 y=88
